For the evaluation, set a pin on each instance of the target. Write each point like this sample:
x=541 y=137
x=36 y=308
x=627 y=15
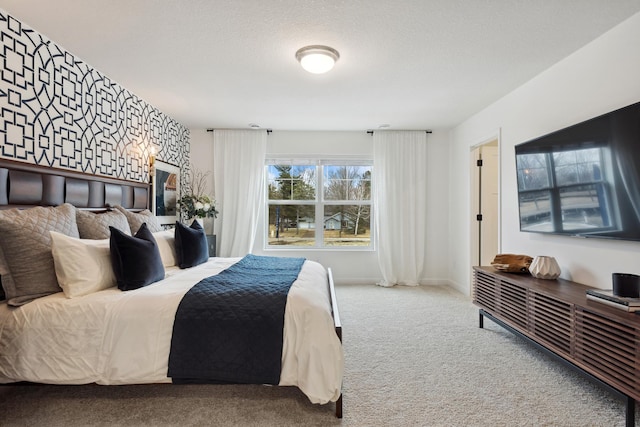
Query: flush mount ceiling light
x=317 y=59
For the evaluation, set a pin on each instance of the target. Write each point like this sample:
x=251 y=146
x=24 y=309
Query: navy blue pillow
x=135 y=259
x=191 y=245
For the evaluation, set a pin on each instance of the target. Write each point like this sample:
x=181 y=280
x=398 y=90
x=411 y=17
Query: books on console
x=606 y=296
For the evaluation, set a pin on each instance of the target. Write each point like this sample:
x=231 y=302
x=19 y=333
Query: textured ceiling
x=422 y=64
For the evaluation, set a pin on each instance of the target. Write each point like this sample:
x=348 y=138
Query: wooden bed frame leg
x=339 y=407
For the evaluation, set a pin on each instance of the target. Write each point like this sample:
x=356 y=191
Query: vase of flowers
x=196 y=203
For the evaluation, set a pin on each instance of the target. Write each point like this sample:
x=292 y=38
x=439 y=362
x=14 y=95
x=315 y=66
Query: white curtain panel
x=400 y=202
x=238 y=173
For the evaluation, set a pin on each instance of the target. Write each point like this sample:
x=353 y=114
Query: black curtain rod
x=370 y=132
x=268 y=130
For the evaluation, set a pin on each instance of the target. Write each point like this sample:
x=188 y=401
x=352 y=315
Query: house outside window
x=319 y=204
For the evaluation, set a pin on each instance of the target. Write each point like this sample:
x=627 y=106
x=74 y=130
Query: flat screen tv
x=583 y=180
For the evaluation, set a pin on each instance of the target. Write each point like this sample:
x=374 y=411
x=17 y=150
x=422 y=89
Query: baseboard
x=464 y=290
x=374 y=280
x=435 y=282
x=357 y=281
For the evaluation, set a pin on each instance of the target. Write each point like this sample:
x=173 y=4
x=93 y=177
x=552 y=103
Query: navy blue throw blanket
x=228 y=327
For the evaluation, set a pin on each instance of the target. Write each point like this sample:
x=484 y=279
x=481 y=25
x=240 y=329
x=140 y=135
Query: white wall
x=202 y=154
x=351 y=266
x=600 y=77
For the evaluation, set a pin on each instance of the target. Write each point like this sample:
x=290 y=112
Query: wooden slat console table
x=601 y=342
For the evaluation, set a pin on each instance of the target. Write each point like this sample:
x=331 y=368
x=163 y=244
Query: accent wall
x=58 y=111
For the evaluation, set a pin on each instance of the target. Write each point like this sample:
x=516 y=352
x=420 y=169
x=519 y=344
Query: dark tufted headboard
x=25 y=185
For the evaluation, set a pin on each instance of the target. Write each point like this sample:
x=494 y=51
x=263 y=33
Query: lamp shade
x=317 y=59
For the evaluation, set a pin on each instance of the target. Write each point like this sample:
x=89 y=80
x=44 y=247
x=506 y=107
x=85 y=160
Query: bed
x=102 y=334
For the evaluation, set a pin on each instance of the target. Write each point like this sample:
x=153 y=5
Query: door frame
x=494 y=136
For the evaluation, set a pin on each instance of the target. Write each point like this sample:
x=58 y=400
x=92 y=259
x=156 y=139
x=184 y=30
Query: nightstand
x=211 y=243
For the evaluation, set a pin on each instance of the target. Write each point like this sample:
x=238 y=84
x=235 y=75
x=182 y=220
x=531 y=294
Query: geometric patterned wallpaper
x=57 y=111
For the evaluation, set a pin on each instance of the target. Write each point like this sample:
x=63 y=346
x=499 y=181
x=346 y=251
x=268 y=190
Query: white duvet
x=114 y=337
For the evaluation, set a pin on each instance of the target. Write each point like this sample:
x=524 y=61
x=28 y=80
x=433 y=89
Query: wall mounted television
x=583 y=180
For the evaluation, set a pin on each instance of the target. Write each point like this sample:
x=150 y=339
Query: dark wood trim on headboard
x=25 y=185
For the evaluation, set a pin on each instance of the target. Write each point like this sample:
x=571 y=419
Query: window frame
x=319 y=202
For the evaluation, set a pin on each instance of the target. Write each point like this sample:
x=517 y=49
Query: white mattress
x=114 y=337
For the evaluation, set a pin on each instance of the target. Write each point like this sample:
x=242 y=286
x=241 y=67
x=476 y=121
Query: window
x=322 y=204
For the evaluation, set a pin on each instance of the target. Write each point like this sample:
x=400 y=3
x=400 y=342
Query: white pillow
x=167 y=245
x=83 y=266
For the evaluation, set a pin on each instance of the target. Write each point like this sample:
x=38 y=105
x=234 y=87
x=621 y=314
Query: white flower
x=199 y=205
x=206 y=207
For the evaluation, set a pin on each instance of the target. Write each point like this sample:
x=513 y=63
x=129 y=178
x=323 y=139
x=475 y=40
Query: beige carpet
x=414 y=357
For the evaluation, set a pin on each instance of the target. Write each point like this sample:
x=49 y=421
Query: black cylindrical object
x=626 y=285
